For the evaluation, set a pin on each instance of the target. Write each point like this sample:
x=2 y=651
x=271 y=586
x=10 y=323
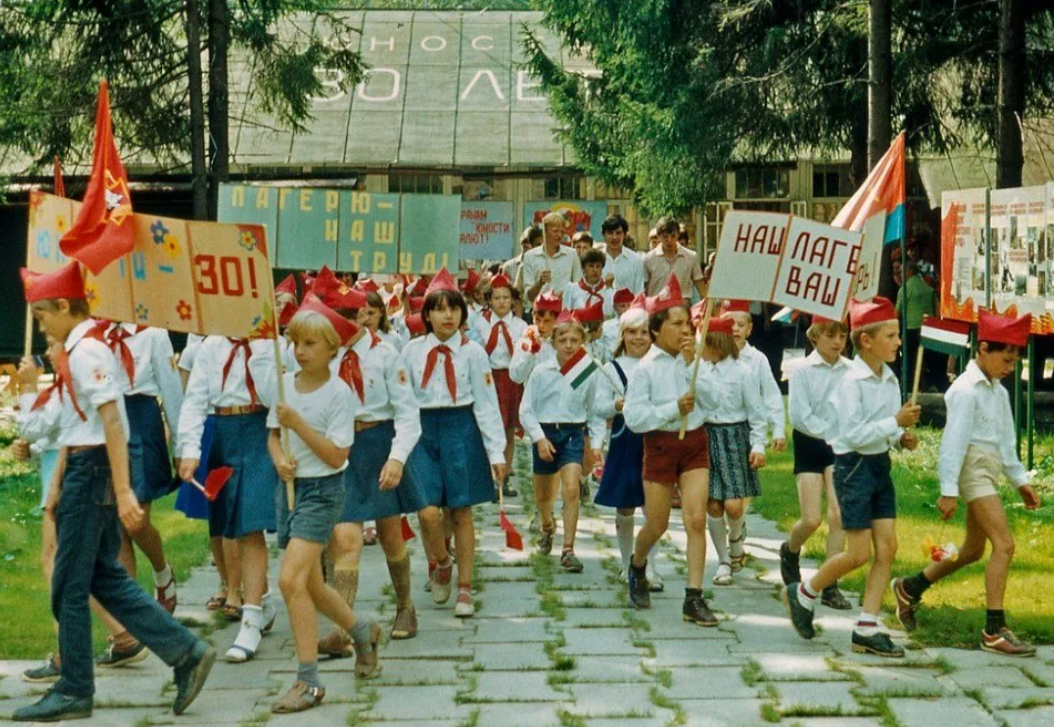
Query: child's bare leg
x=985 y=521
x=695 y=487
x=232 y=557
x=253 y=552
x=569 y=477
x=657 y=501
x=841 y=565
x=149 y=541
x=300 y=560
x=510 y=445
x=835 y=533
x=810 y=489
x=544 y=497
x=464 y=544
x=884 y=534
x=216 y=546
x=433 y=533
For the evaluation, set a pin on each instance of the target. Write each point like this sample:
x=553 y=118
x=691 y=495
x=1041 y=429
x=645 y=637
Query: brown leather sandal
x=300 y=697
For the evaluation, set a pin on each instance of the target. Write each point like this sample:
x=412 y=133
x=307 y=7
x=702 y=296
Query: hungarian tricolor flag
x=578 y=368
x=945 y=336
x=103 y=229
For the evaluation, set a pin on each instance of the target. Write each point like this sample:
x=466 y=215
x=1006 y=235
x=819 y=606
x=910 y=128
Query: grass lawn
x=954 y=610
x=26 y=630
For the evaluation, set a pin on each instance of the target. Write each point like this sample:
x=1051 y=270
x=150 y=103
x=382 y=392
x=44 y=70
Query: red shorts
x=667 y=457
x=509 y=395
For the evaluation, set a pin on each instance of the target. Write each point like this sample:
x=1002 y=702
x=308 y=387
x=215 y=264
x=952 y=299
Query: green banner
x=349 y=231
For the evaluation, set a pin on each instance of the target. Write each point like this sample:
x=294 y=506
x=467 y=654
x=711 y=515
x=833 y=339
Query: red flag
x=60 y=186
x=103 y=230
x=408 y=532
x=512 y=535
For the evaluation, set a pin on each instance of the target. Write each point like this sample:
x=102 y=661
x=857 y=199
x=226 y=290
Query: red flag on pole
x=60 y=186
x=512 y=535
x=103 y=230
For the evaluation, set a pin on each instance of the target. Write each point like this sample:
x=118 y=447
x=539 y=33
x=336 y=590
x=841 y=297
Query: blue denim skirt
x=450 y=462
x=363 y=499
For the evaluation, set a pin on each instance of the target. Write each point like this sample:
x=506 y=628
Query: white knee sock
x=249 y=636
x=652 y=555
x=735 y=535
x=719 y=534
x=624 y=531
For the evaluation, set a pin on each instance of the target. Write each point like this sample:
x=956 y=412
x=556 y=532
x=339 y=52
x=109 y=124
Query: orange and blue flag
x=883 y=191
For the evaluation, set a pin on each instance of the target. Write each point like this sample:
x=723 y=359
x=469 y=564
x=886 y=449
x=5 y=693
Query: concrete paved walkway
x=549 y=648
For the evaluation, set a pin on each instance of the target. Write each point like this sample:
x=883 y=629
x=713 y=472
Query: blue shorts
x=317 y=504
x=864 y=488
x=569 y=440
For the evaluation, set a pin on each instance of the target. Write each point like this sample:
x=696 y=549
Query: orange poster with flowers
x=193 y=277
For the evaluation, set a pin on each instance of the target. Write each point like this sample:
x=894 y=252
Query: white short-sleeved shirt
x=330 y=411
x=95 y=383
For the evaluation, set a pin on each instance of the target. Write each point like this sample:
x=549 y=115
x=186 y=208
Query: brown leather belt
x=82 y=448
x=230 y=411
x=363 y=426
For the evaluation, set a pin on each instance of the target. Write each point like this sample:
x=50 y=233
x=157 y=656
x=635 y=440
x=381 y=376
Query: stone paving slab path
x=550 y=649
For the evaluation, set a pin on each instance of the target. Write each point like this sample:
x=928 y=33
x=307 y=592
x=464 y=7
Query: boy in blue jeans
x=94 y=499
x=871 y=421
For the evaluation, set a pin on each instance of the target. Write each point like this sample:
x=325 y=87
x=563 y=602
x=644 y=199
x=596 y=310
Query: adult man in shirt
x=550 y=266
x=670 y=257
x=623 y=267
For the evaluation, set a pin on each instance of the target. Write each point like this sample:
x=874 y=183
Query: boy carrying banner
x=977 y=445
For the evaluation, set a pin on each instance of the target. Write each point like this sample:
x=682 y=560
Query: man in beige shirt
x=550 y=266
x=671 y=257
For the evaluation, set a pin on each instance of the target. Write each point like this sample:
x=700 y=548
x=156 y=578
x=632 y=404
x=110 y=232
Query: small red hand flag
x=103 y=229
x=408 y=532
x=512 y=535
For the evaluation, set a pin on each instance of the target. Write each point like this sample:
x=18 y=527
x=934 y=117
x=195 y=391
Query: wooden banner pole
x=699 y=345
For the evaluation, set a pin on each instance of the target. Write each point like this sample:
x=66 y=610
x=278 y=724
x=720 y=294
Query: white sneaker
x=723 y=577
x=249 y=636
x=464 y=606
x=623 y=575
x=270 y=611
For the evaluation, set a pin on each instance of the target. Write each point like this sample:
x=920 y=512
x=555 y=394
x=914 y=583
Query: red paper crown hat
x=720 y=325
x=591 y=313
x=65 y=282
x=876 y=310
x=416 y=324
x=417 y=290
x=622 y=295
x=471 y=282
x=698 y=309
x=345 y=329
x=286 y=290
x=639 y=302
x=819 y=320
x=549 y=301
x=735 y=306
x=322 y=283
x=345 y=298
x=668 y=297
x=442 y=281
x=416 y=304
x=501 y=280
x=367 y=285
x=567 y=316
x=994 y=328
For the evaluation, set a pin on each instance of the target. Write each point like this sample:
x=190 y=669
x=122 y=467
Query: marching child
x=811 y=415
x=871 y=420
x=223 y=384
x=376 y=484
x=590 y=288
x=319 y=412
x=977 y=445
x=92 y=502
x=736 y=429
x=622 y=484
x=659 y=396
x=732 y=528
x=461 y=452
x=535 y=345
x=146 y=372
x=375 y=320
x=611 y=331
x=558 y=405
x=496 y=329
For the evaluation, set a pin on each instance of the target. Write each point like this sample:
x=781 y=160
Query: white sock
x=652 y=555
x=250 y=634
x=866 y=624
x=164 y=576
x=719 y=534
x=806 y=596
x=624 y=531
x=735 y=533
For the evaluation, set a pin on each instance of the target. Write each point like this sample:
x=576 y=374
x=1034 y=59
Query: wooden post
x=27 y=342
x=918 y=376
x=281 y=400
x=700 y=343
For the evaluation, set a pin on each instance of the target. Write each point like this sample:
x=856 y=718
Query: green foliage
x=54 y=53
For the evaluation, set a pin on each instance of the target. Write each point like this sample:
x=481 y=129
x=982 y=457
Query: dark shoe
x=790 y=565
x=190 y=677
x=1006 y=643
x=49 y=671
x=696 y=611
x=545 y=541
x=800 y=616
x=833 y=598
x=906 y=605
x=53 y=707
x=879 y=644
x=639 y=595
x=570 y=562
x=508 y=491
x=114 y=657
